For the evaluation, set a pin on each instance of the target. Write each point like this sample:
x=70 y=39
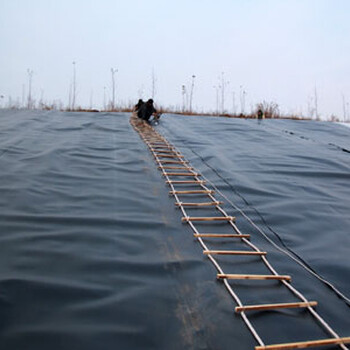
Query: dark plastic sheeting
x=93 y=254
x=293 y=179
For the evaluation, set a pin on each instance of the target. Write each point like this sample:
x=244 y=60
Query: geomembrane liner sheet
x=93 y=254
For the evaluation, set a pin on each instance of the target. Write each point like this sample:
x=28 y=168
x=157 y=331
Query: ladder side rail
x=171 y=186
x=228 y=287
x=216 y=264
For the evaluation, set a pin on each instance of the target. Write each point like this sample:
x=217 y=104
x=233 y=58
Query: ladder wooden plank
x=175 y=167
x=163 y=144
x=165 y=148
x=232 y=252
x=304 y=344
x=253 y=277
x=203 y=204
x=185 y=182
x=173 y=162
x=192 y=192
x=156 y=141
x=149 y=145
x=180 y=174
x=164 y=151
x=221 y=235
x=168 y=156
x=153 y=139
x=175 y=154
x=275 y=306
x=209 y=218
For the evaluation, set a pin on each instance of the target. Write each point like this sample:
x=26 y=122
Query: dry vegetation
x=270 y=111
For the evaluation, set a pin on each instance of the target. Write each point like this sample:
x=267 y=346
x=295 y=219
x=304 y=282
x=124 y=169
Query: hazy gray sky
x=275 y=50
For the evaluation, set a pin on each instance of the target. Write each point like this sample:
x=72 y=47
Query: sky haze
x=270 y=49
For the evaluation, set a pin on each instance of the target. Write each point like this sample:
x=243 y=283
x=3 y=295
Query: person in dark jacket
x=139 y=104
x=260 y=114
x=146 y=110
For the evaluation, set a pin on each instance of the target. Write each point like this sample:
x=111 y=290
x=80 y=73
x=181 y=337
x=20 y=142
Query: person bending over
x=146 y=110
x=138 y=105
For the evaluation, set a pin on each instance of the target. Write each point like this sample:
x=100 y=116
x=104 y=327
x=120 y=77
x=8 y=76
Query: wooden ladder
x=168 y=158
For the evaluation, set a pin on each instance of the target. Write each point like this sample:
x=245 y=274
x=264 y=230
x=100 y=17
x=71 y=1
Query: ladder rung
x=221 y=235
x=274 y=306
x=186 y=182
x=173 y=162
x=232 y=252
x=305 y=344
x=161 y=154
x=204 y=204
x=192 y=192
x=169 y=156
x=209 y=218
x=175 y=167
x=253 y=277
x=180 y=174
x=164 y=151
x=160 y=144
x=166 y=148
x=153 y=139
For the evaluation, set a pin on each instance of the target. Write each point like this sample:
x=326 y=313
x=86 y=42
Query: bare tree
x=223 y=84
x=233 y=103
x=140 y=91
x=104 y=98
x=74 y=87
x=29 y=99
x=316 y=104
x=310 y=110
x=70 y=96
x=242 y=95
x=23 y=95
x=191 y=95
x=217 y=88
x=41 y=101
x=183 y=91
x=345 y=109
x=91 y=98
x=113 y=71
x=269 y=109
x=222 y=93
x=154 y=80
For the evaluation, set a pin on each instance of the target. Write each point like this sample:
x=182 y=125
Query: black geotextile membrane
x=93 y=254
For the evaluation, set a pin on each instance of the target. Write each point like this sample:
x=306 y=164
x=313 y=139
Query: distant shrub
x=333 y=118
x=270 y=109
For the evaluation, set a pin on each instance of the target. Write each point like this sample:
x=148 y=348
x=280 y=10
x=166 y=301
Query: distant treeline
x=270 y=110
